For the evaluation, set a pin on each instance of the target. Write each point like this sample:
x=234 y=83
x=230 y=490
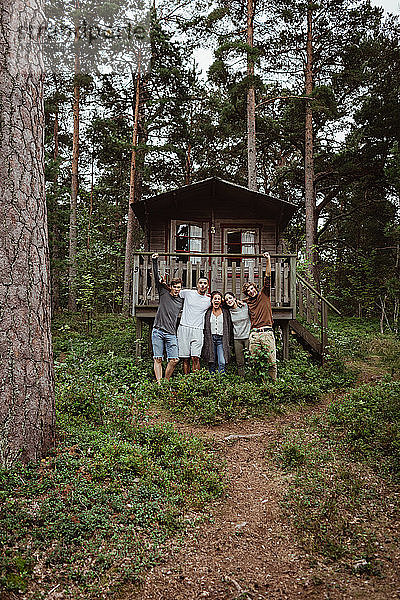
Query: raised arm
x=159 y=285
x=267 y=280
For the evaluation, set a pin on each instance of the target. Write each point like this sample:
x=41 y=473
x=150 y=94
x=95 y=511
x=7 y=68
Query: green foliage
x=207 y=398
x=330 y=500
x=109 y=335
x=302 y=373
x=333 y=498
x=97 y=510
x=369 y=418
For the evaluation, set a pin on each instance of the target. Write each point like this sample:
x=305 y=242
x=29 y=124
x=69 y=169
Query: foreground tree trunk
x=26 y=390
x=309 y=191
x=251 y=104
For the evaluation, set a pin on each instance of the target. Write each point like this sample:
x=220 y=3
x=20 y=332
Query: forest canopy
x=146 y=131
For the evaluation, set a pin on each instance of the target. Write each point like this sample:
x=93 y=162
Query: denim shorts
x=163 y=341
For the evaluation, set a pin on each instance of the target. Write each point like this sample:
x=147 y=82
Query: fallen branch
x=54 y=589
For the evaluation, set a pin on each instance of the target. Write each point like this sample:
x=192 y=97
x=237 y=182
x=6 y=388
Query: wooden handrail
x=210 y=254
x=316 y=292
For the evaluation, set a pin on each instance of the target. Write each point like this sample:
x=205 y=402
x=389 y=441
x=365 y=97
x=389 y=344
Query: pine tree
x=27 y=414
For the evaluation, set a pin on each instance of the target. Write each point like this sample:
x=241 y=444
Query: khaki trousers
x=240 y=346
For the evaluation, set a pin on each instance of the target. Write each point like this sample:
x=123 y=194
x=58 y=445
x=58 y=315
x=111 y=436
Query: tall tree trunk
x=188 y=165
x=55 y=247
x=27 y=415
x=132 y=222
x=73 y=225
x=251 y=104
x=309 y=190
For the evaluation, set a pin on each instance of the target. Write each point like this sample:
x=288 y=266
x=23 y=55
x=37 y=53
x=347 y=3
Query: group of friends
x=209 y=323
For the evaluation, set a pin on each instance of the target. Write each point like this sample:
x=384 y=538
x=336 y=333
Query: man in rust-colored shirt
x=260 y=311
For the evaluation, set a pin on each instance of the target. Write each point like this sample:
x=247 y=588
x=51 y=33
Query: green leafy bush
x=369 y=418
x=330 y=500
x=96 y=510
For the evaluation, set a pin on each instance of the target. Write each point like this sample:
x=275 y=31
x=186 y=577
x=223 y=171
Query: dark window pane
x=234 y=243
x=182 y=244
x=183 y=230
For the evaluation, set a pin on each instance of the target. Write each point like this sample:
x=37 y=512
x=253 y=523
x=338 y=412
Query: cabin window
x=241 y=241
x=189 y=238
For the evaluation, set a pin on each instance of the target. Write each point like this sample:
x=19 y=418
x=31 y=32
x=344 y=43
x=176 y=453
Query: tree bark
x=55 y=230
x=188 y=165
x=132 y=222
x=73 y=225
x=27 y=415
x=251 y=104
x=309 y=191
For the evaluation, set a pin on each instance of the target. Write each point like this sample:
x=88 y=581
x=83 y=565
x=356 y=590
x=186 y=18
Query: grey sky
x=392 y=6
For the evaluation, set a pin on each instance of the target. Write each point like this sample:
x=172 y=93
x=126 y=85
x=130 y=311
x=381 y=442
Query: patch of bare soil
x=248 y=549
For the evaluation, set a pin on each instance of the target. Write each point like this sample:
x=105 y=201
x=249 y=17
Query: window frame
x=189 y=223
x=234 y=227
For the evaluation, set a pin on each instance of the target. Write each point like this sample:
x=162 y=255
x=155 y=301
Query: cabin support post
x=149 y=340
x=285 y=339
x=293 y=279
x=138 y=342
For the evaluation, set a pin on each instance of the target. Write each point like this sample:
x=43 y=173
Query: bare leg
x=158 y=369
x=196 y=363
x=186 y=366
x=171 y=367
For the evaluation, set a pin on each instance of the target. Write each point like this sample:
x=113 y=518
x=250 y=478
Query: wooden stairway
x=312 y=307
x=309 y=342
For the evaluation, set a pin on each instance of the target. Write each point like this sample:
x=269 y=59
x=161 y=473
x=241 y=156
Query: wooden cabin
x=215 y=229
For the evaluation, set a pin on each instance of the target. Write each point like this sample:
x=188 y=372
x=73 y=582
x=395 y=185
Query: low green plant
x=369 y=421
x=328 y=501
x=333 y=498
x=98 y=509
x=207 y=398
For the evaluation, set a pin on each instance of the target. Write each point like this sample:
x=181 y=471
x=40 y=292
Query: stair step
x=308 y=338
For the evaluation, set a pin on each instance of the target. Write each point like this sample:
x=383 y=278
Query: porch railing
x=225 y=272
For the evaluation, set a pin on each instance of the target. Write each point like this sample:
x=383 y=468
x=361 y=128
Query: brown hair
x=215 y=292
x=246 y=287
x=176 y=281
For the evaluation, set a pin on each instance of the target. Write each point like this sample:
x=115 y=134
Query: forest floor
x=206 y=486
x=247 y=547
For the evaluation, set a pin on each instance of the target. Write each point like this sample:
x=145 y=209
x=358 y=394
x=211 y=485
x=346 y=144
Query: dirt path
x=247 y=549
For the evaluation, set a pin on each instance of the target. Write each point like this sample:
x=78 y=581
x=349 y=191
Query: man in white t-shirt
x=190 y=330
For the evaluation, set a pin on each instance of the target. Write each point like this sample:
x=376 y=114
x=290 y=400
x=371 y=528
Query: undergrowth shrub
x=330 y=500
x=335 y=501
x=209 y=398
x=98 y=509
x=369 y=420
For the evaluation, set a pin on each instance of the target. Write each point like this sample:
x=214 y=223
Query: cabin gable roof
x=210 y=194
